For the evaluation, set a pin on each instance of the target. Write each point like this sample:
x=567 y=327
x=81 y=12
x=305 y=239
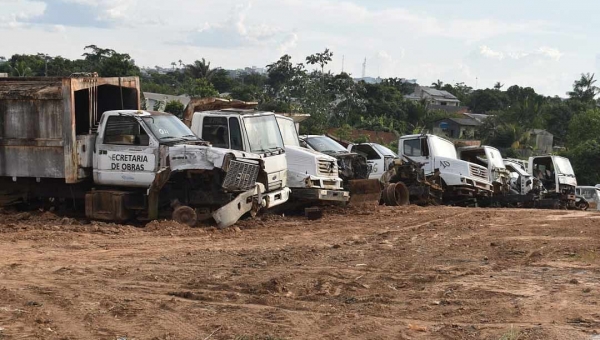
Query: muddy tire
x=396 y=194
x=185 y=215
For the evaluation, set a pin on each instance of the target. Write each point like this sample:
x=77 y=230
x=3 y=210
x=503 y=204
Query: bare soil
x=358 y=273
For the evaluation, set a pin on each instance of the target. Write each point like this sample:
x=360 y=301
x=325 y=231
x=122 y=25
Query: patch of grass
x=588 y=257
x=511 y=334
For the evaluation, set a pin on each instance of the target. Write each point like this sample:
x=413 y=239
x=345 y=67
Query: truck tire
x=185 y=215
x=396 y=194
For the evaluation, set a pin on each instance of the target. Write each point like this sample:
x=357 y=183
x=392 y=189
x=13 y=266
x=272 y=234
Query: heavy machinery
x=353 y=168
x=406 y=182
x=83 y=142
x=463 y=183
x=312 y=176
x=379 y=157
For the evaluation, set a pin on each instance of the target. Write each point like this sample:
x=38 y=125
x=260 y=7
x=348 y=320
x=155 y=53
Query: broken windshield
x=563 y=166
x=324 y=144
x=263 y=133
x=167 y=128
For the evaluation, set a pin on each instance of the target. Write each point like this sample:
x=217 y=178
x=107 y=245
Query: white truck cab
x=251 y=133
x=521 y=181
x=312 y=176
x=379 y=157
x=490 y=158
x=555 y=173
x=437 y=153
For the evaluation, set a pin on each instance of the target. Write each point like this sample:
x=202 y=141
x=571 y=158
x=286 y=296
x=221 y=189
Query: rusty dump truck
x=82 y=143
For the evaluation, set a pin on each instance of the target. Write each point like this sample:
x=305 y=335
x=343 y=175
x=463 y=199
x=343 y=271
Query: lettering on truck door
x=126 y=153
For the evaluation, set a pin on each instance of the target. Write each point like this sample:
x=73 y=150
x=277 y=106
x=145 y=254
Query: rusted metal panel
x=26 y=161
x=31 y=119
x=38 y=121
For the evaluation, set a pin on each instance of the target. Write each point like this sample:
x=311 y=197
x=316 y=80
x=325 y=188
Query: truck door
x=126 y=154
x=417 y=149
x=373 y=157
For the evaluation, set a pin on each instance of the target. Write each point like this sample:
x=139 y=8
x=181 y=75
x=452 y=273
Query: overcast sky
x=545 y=44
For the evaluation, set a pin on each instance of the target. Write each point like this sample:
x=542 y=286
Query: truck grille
x=326 y=168
x=241 y=176
x=476 y=171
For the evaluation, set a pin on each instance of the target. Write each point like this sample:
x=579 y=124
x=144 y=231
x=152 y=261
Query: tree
x=483 y=101
x=175 y=107
x=498 y=86
x=221 y=81
x=583 y=127
x=320 y=59
x=109 y=63
x=201 y=88
x=584 y=89
x=200 y=69
x=20 y=69
x=585 y=158
x=438 y=84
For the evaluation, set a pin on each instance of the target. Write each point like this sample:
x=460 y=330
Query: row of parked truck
x=82 y=143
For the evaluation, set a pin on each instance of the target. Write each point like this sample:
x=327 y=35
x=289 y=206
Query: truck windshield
x=168 y=127
x=263 y=133
x=384 y=151
x=443 y=148
x=563 y=166
x=324 y=144
x=288 y=132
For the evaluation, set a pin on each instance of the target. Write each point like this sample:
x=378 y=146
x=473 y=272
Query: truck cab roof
x=241 y=112
x=136 y=113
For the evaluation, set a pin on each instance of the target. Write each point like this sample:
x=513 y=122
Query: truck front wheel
x=185 y=215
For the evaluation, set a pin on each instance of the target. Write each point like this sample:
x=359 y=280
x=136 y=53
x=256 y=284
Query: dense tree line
x=337 y=100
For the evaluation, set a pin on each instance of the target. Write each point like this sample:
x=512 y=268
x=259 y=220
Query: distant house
x=3 y=75
x=433 y=96
x=543 y=140
x=153 y=99
x=478 y=116
x=456 y=128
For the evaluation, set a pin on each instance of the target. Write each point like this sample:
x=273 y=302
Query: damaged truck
x=312 y=176
x=82 y=143
x=354 y=170
x=463 y=183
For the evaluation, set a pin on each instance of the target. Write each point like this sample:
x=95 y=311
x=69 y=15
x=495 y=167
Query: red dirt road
x=361 y=273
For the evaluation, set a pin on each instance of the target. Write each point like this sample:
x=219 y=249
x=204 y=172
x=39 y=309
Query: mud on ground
x=358 y=273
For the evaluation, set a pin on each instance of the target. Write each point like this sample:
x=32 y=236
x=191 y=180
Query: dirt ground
x=360 y=273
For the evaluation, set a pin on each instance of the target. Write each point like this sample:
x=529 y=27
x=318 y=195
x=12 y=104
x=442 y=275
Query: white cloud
x=551 y=53
x=489 y=53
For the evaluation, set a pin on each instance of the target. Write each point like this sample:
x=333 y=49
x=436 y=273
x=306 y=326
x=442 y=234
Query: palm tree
x=200 y=69
x=498 y=86
x=20 y=69
x=584 y=88
x=438 y=84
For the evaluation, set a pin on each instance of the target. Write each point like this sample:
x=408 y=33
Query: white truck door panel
x=414 y=149
x=374 y=158
x=125 y=155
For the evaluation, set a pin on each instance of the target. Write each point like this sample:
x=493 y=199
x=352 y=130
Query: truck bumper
x=228 y=214
x=316 y=194
x=275 y=198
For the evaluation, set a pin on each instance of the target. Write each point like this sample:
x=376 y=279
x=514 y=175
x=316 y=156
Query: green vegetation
x=337 y=100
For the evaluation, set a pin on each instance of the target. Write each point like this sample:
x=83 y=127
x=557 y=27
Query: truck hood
x=305 y=161
x=567 y=180
x=460 y=167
